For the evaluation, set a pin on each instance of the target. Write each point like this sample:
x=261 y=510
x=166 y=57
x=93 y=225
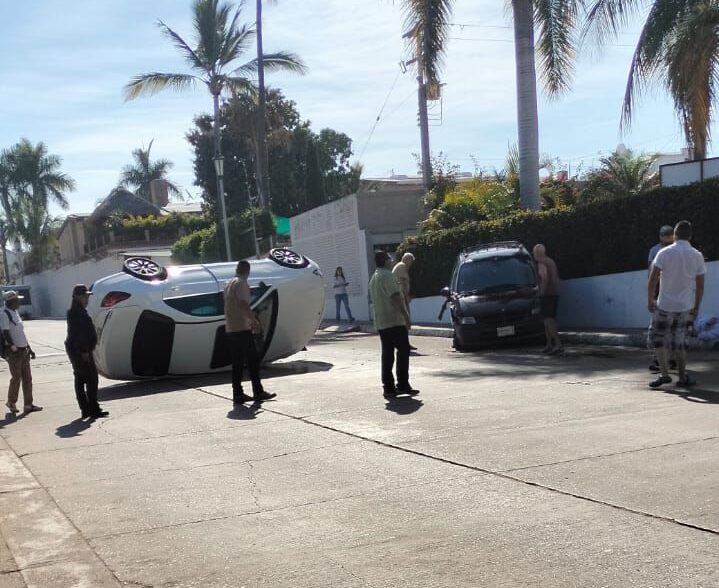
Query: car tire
x=288 y=258
x=457 y=345
x=144 y=269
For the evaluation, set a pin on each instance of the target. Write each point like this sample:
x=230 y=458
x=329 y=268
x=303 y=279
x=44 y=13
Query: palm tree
x=30 y=178
x=623 y=173
x=679 y=45
x=556 y=22
x=139 y=175
x=219 y=42
x=427 y=23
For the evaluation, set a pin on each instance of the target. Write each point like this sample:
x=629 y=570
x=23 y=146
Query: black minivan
x=493 y=295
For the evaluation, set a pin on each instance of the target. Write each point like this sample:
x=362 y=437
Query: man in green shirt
x=391 y=319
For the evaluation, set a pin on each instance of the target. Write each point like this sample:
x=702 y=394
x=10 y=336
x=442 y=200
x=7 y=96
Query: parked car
x=154 y=321
x=493 y=295
x=26 y=309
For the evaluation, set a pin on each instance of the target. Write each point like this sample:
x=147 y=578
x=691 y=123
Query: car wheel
x=144 y=268
x=288 y=258
x=457 y=345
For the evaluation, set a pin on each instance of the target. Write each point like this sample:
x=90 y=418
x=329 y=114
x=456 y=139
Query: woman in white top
x=340 y=288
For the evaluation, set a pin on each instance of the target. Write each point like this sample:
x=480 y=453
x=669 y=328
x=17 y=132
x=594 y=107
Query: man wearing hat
x=18 y=354
x=80 y=343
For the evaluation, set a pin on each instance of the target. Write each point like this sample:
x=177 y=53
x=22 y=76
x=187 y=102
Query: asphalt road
x=510 y=469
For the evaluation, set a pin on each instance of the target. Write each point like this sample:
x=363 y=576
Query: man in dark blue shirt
x=80 y=343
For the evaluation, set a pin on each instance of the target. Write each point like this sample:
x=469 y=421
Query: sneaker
x=390 y=392
x=12 y=408
x=547 y=349
x=654 y=367
x=556 y=351
x=660 y=381
x=673 y=365
x=31 y=408
x=412 y=348
x=407 y=390
x=263 y=395
x=100 y=414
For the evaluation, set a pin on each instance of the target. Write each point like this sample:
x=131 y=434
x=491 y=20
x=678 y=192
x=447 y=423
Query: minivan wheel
x=288 y=258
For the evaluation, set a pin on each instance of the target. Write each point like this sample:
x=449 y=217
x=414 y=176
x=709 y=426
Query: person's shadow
x=404 y=404
x=73 y=429
x=245 y=412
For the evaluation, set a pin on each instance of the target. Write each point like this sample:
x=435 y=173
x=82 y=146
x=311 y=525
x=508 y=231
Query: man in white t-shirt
x=679 y=270
x=17 y=353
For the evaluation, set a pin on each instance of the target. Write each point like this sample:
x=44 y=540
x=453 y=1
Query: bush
x=594 y=239
x=202 y=246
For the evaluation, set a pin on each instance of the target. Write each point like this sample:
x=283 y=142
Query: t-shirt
x=680 y=264
x=549 y=282
x=16 y=328
x=238 y=317
x=340 y=286
x=381 y=288
x=653 y=252
x=401 y=273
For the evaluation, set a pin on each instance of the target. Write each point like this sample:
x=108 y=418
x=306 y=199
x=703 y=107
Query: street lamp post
x=3 y=244
x=219 y=161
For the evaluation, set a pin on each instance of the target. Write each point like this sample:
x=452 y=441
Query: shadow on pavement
x=9 y=418
x=139 y=388
x=404 y=405
x=73 y=429
x=698 y=395
x=245 y=412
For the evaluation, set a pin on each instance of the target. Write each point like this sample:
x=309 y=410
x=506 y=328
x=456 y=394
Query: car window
x=496 y=274
x=211 y=304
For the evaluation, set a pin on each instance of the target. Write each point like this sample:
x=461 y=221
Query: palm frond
x=240 y=86
x=237 y=42
x=279 y=61
x=557 y=21
x=427 y=24
x=190 y=56
x=154 y=82
x=605 y=19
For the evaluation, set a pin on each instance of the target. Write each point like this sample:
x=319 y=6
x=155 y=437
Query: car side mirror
x=445 y=292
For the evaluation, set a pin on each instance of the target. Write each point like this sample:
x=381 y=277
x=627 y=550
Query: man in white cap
x=18 y=354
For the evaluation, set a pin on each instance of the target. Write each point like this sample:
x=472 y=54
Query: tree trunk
x=261 y=159
x=527 y=118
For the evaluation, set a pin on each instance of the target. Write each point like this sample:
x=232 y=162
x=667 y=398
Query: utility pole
x=424 y=129
x=261 y=158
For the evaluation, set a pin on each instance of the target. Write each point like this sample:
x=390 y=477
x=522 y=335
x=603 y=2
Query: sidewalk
x=604 y=337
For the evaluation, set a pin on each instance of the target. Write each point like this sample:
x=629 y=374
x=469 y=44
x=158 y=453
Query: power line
x=379 y=115
x=488 y=40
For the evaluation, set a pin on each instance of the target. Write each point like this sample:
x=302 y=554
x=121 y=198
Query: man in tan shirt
x=240 y=322
x=401 y=274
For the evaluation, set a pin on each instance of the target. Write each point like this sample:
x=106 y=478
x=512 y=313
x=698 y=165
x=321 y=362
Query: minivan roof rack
x=490 y=246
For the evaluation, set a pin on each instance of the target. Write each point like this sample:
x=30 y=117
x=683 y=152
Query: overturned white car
x=154 y=321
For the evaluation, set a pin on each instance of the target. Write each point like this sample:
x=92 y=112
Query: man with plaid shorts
x=679 y=270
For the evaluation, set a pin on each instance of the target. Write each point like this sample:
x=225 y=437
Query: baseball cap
x=81 y=289
x=9 y=295
x=666 y=230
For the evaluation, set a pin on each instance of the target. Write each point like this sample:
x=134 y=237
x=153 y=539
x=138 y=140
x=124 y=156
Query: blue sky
x=64 y=66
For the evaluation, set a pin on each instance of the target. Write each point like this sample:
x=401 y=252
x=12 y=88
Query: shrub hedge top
x=594 y=239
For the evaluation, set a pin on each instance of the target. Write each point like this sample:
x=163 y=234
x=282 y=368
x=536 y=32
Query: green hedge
x=202 y=246
x=594 y=239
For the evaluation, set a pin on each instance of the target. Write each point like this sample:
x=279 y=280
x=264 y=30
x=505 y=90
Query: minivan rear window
x=495 y=274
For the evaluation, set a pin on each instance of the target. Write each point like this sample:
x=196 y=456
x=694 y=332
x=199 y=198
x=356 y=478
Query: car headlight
x=467 y=320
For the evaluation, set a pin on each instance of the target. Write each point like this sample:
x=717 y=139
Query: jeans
x=395 y=338
x=19 y=364
x=339 y=299
x=85 y=384
x=242 y=348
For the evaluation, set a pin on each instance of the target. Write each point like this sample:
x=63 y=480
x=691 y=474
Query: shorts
x=669 y=330
x=548 y=306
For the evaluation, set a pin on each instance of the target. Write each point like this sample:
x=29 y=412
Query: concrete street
x=510 y=469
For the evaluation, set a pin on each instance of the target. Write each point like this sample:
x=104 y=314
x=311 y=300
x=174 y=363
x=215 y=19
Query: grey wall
x=398 y=210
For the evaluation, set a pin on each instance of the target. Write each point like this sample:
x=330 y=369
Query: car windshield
x=495 y=274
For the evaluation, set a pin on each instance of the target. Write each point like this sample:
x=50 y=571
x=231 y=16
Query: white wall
x=52 y=289
x=616 y=301
x=330 y=236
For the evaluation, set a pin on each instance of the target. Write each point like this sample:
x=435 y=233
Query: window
x=212 y=304
x=496 y=274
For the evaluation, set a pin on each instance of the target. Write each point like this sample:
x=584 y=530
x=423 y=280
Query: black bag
x=4 y=345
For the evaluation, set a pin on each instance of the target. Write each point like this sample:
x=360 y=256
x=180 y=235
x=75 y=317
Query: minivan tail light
x=113 y=298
